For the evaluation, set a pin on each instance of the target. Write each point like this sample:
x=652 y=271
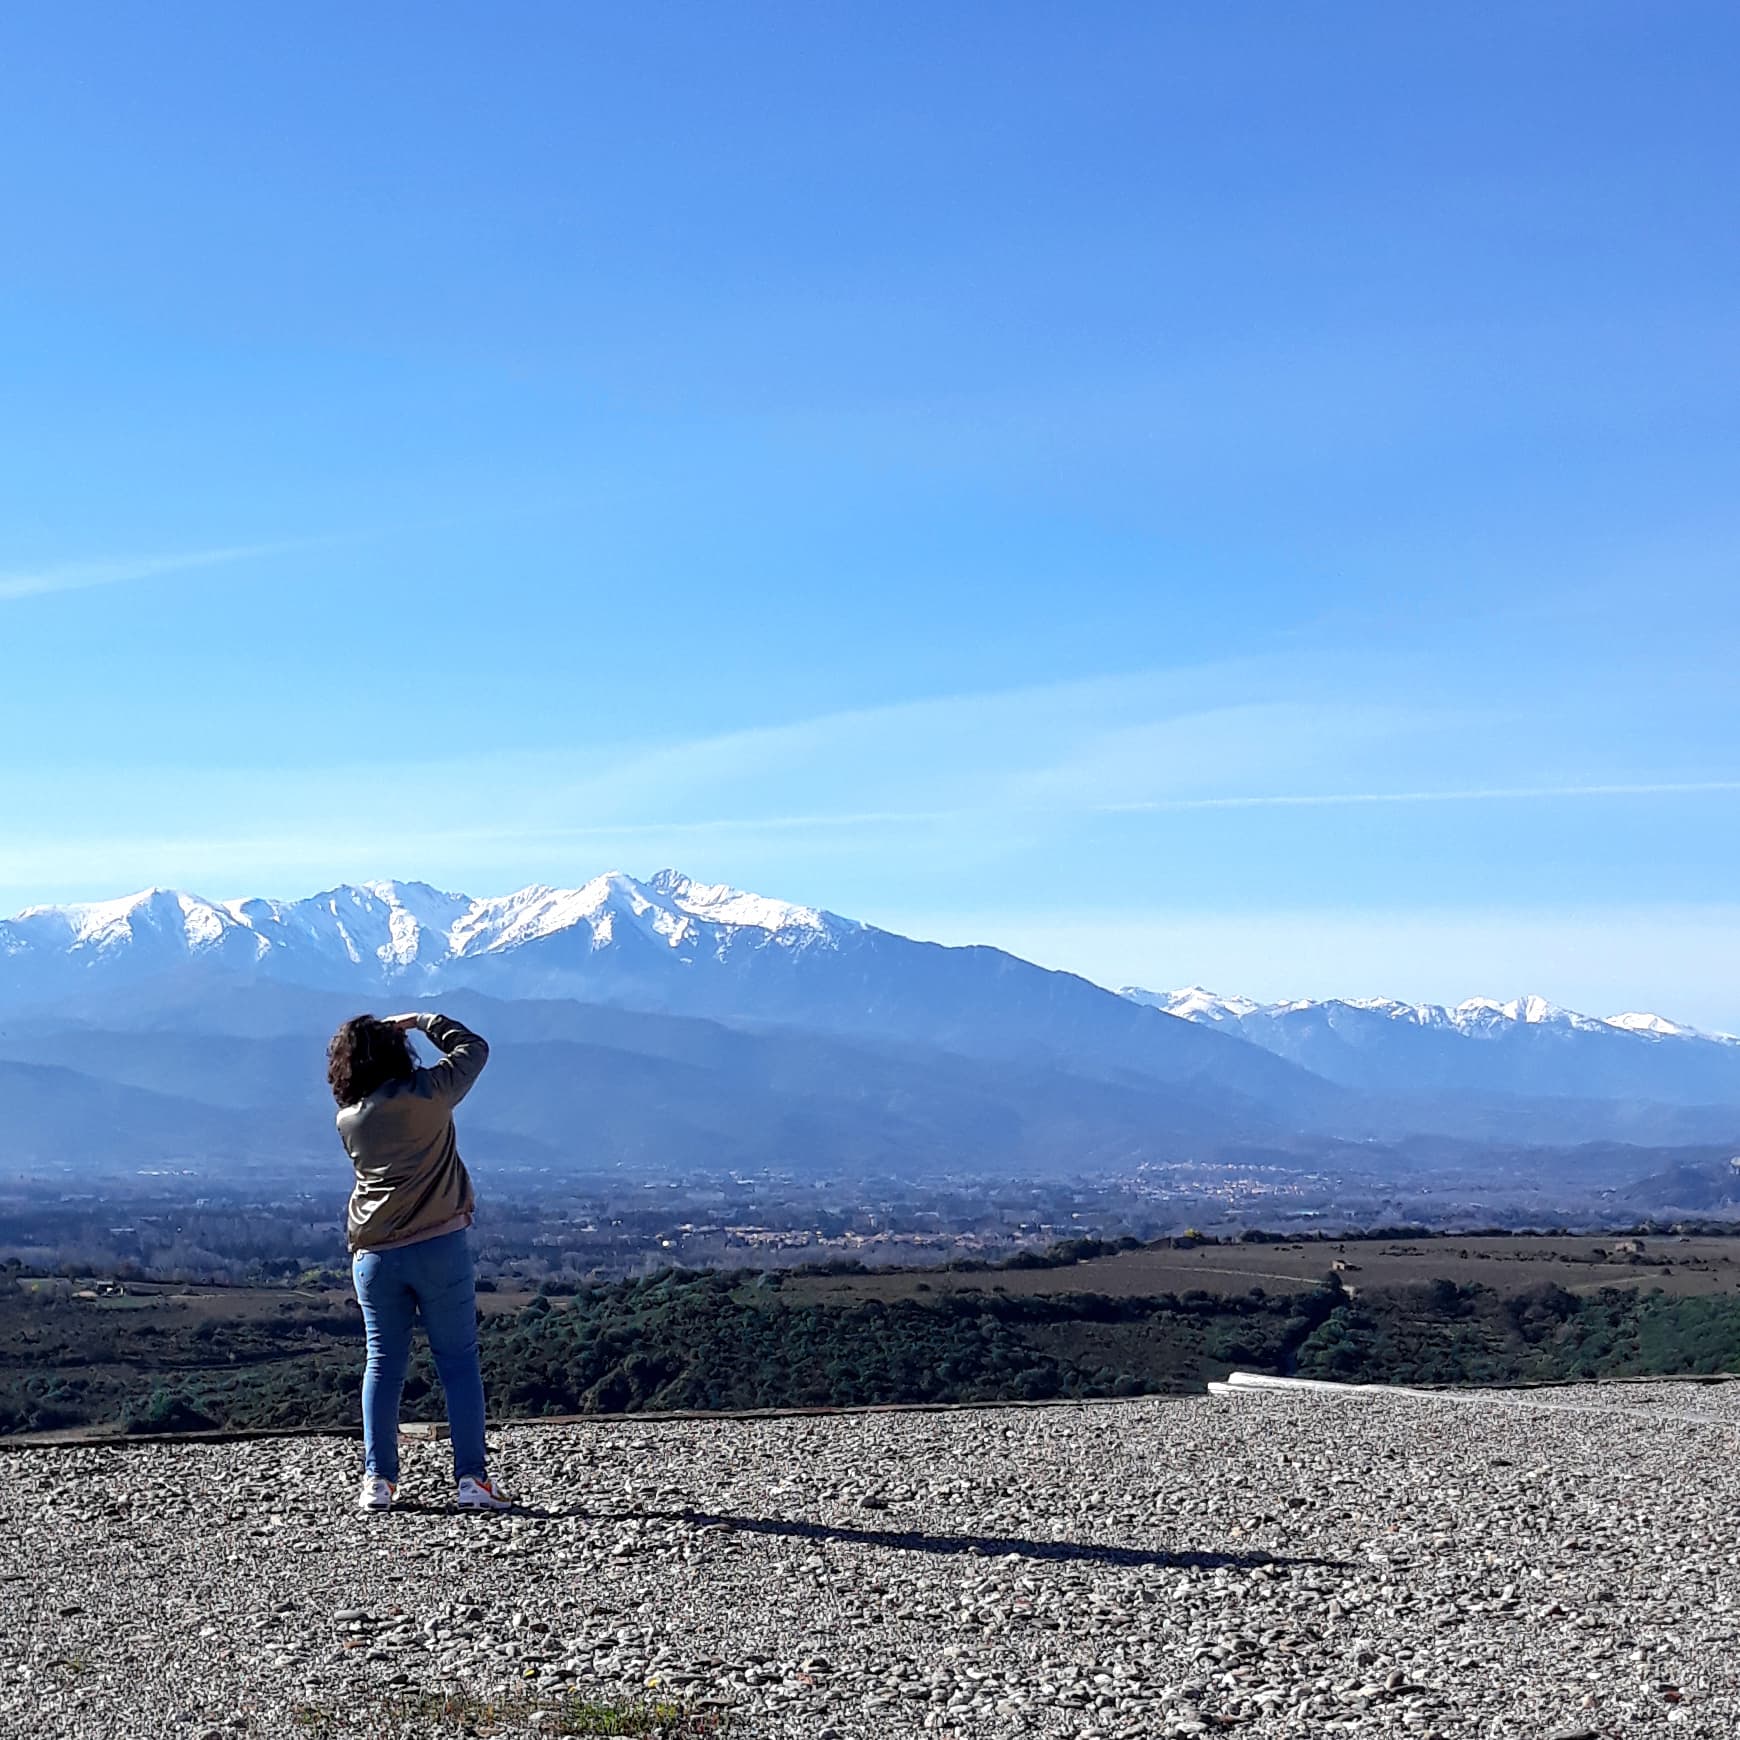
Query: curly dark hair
x=366 y=1052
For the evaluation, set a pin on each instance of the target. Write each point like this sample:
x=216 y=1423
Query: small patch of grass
x=411 y=1715
x=582 y=1715
x=568 y=1713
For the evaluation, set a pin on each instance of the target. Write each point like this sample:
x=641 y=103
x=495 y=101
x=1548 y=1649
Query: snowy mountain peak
x=390 y=929
x=725 y=905
x=150 y=915
x=1480 y=1012
x=1638 y=1021
x=1193 y=1003
x=1477 y=1017
x=509 y=921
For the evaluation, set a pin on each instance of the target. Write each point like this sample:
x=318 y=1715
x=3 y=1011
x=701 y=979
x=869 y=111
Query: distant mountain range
x=668 y=945
x=1527 y=1048
x=675 y=1024
x=648 y=1024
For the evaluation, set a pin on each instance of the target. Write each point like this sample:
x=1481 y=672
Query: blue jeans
x=434 y=1277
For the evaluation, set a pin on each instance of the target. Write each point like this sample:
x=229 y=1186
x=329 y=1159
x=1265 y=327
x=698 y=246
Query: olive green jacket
x=410 y=1181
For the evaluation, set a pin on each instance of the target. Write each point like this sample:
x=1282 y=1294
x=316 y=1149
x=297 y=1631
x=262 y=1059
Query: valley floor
x=1480 y=1564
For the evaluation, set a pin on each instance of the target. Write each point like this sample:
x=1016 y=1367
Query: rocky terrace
x=1559 y=1563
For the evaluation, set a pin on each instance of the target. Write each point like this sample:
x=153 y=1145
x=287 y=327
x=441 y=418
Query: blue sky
x=1242 y=495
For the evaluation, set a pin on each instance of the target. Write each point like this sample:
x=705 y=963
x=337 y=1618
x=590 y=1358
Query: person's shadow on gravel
x=986 y=1546
x=901 y=1540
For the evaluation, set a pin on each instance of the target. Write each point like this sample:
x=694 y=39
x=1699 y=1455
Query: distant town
x=168 y=1225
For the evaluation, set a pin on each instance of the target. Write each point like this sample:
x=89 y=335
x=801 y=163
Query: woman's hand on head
x=404 y=1023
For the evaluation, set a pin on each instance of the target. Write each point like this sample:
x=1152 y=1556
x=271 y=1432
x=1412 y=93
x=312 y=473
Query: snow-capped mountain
x=382 y=931
x=1192 y=1066
x=1195 y=1004
x=1524 y=1047
x=666 y=945
x=1475 y=1015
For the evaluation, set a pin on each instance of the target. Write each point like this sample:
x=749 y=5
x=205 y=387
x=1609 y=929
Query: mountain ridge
x=1214 y=1070
x=1527 y=1048
x=668 y=945
x=390 y=921
x=1195 y=1003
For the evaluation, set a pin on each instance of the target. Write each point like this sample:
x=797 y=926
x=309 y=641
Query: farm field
x=1688 y=1267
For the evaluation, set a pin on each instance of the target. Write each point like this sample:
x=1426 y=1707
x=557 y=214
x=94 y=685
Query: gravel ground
x=1286 y=1564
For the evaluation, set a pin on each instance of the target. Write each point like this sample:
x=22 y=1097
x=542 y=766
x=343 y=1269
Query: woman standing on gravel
x=407 y=1226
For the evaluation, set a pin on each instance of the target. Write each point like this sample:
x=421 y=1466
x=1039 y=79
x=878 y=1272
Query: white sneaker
x=376 y=1493
x=482 y=1495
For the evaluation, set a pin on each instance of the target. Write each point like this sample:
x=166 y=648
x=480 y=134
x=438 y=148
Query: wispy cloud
x=248 y=852
x=1005 y=783
x=1062 y=807
x=77 y=576
x=1473 y=794
x=1034 y=750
